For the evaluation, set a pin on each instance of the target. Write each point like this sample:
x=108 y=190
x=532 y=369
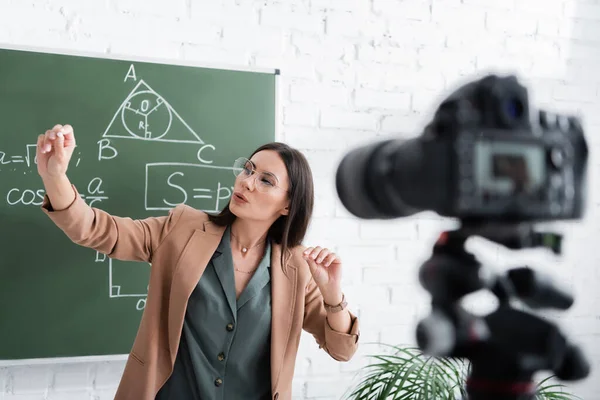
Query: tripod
x=508 y=346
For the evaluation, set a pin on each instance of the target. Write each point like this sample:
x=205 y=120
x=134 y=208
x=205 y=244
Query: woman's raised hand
x=54 y=150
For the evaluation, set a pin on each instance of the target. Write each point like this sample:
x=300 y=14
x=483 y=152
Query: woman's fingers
x=331 y=257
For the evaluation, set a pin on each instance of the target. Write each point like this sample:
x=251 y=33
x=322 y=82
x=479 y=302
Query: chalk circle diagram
x=146 y=115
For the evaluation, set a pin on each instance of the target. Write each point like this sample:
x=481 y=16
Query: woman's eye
x=267 y=182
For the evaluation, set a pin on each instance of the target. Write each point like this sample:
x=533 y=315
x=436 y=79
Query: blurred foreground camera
x=487 y=160
x=483 y=156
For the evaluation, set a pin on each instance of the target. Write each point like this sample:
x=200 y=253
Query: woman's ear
x=285 y=211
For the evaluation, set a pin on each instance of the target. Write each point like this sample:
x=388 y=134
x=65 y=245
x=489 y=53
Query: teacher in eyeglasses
x=229 y=294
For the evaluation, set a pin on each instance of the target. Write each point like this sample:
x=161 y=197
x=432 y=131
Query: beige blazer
x=179 y=246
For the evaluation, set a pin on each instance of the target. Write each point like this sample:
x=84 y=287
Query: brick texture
x=351 y=72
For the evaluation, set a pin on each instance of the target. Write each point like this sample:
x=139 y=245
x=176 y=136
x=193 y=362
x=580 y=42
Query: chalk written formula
x=132 y=163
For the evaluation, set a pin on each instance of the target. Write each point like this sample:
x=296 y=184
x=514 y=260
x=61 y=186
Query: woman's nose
x=249 y=182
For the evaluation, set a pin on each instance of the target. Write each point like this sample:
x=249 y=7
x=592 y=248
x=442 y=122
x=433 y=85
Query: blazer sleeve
x=339 y=345
x=117 y=237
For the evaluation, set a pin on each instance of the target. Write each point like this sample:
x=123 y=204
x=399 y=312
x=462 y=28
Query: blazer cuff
x=74 y=211
x=343 y=345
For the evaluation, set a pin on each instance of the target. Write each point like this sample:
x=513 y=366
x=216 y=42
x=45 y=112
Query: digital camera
x=483 y=156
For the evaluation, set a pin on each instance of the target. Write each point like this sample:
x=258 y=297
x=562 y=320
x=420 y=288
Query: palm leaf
x=548 y=390
x=406 y=373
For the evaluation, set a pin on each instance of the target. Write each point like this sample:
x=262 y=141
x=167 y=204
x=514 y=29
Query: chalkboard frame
x=145 y=59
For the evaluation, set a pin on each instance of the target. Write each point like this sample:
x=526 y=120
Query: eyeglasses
x=265 y=181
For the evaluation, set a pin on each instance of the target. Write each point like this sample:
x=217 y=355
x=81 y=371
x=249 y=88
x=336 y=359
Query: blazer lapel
x=223 y=268
x=283 y=302
x=192 y=263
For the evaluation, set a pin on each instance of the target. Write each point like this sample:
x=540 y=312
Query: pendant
x=244 y=249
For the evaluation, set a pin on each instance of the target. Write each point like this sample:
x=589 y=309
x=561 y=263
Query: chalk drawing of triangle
x=146 y=115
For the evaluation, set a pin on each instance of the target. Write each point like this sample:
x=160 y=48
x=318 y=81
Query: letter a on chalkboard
x=146 y=115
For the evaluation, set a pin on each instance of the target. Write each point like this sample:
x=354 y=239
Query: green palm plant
x=408 y=374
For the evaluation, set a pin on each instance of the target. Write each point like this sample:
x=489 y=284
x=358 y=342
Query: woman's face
x=260 y=191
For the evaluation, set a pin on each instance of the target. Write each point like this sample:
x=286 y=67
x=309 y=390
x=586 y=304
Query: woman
x=229 y=294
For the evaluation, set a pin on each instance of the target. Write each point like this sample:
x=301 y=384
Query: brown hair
x=288 y=230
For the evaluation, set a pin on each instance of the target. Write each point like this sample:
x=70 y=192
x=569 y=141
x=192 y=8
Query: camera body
x=483 y=157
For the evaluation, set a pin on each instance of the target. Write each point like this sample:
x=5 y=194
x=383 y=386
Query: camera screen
x=509 y=168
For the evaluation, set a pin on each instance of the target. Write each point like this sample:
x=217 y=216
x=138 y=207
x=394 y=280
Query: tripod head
x=508 y=346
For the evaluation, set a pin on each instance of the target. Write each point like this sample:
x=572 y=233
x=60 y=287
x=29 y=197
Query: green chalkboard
x=150 y=135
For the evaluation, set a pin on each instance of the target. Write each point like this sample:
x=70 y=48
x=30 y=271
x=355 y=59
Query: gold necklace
x=245 y=249
x=244 y=272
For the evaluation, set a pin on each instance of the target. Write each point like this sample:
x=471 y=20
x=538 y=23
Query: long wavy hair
x=288 y=230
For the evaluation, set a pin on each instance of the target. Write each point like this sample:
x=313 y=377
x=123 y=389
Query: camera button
x=557 y=157
x=556 y=180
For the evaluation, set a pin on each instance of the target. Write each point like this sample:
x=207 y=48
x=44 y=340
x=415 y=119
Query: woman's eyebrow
x=264 y=172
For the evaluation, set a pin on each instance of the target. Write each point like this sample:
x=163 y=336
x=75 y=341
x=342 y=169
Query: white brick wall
x=351 y=71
